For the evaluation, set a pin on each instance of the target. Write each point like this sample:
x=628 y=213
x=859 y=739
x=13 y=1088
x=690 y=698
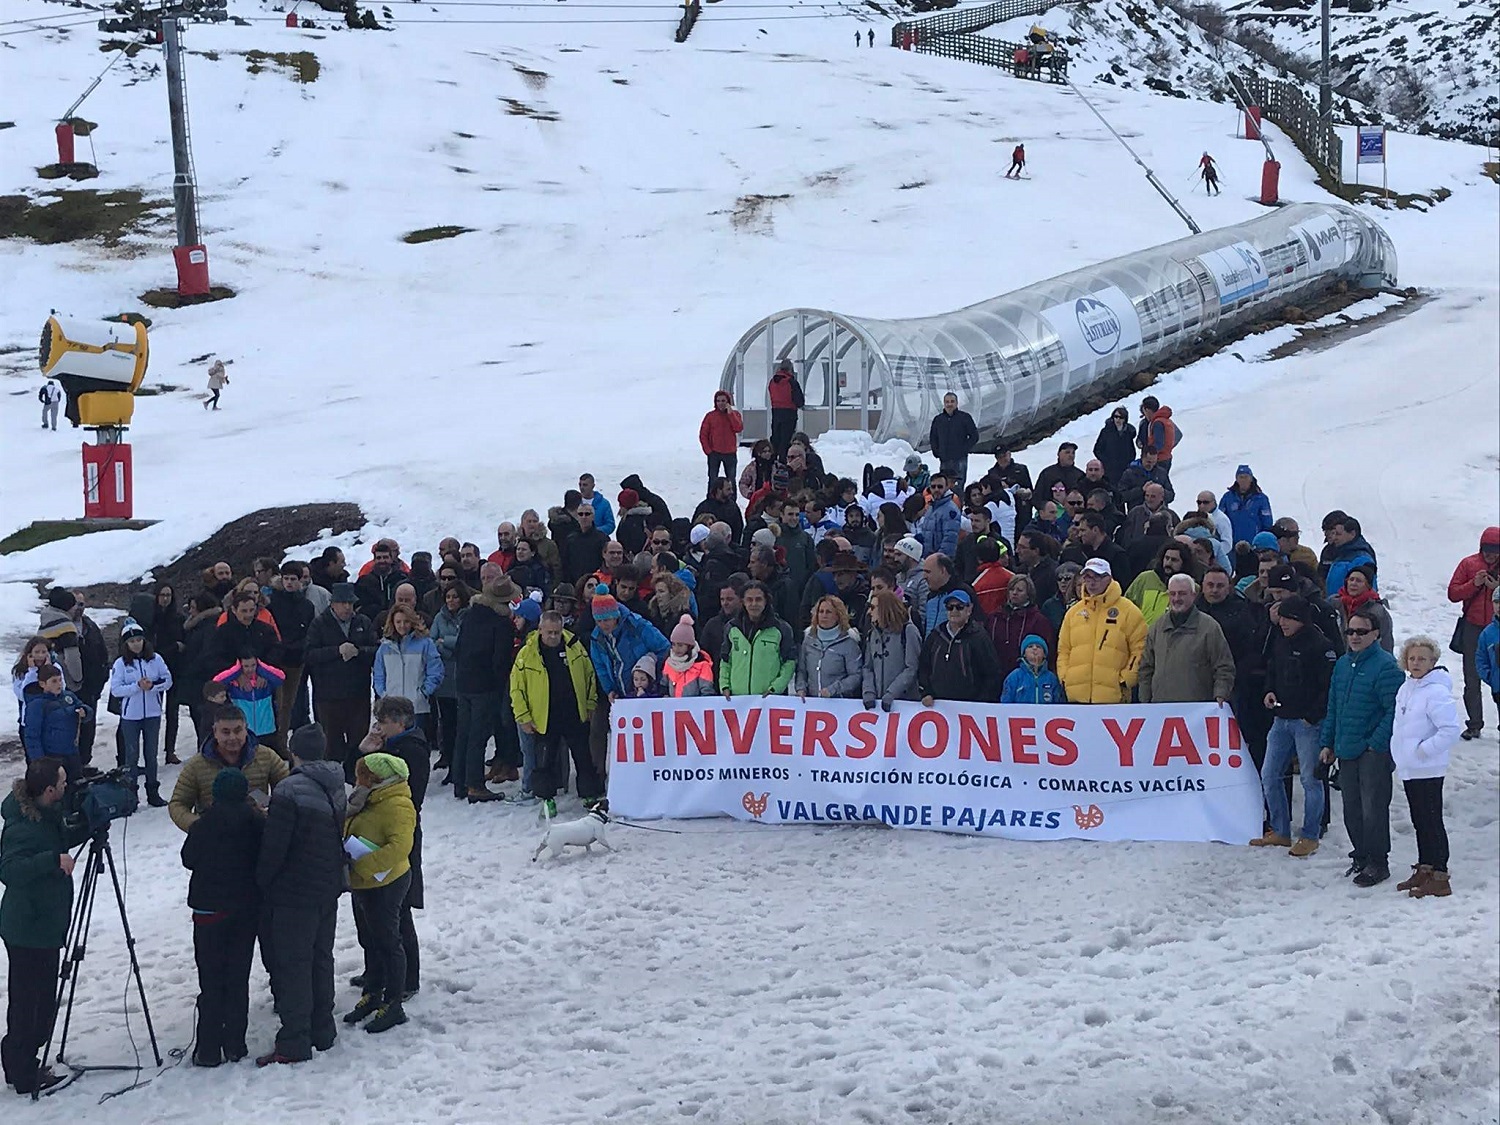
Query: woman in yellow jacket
x=378 y=838
x=1100 y=643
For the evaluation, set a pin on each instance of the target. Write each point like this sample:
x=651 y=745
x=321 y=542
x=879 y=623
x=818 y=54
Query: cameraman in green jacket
x=34 y=914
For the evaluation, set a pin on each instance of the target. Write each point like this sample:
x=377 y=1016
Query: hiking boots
x=368 y=1005
x=154 y=797
x=476 y=796
x=389 y=1016
x=1371 y=874
x=276 y=1058
x=1304 y=847
x=1420 y=873
x=1436 y=886
x=1271 y=840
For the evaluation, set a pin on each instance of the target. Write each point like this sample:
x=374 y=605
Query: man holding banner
x=958 y=658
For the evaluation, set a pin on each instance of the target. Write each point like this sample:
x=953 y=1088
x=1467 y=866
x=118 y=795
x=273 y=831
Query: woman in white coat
x=140 y=680
x=1425 y=730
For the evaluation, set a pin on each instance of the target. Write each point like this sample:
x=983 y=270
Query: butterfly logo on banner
x=1087 y=818
x=756 y=806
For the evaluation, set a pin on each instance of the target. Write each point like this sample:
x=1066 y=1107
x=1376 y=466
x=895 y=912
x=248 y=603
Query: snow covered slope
x=1433 y=63
x=625 y=228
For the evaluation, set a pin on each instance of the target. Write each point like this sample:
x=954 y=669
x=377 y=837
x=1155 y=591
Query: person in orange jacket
x=1017 y=162
x=719 y=435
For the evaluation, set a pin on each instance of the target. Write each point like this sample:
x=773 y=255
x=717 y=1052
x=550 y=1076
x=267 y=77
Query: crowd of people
x=1080 y=585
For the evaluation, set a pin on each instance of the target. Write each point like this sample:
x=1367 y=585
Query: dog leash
x=645 y=828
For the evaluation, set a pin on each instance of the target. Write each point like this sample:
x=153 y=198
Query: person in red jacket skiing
x=719 y=435
x=1473 y=586
x=1017 y=162
x=1210 y=174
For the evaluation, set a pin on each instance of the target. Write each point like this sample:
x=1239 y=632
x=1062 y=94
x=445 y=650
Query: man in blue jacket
x=620 y=638
x=939 y=527
x=1346 y=549
x=1357 y=731
x=1248 y=508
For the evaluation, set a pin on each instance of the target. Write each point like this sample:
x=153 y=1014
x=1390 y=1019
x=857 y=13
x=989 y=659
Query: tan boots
x=1425 y=883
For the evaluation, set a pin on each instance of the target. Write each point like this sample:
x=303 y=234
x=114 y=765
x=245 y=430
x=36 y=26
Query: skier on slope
x=1017 y=162
x=1210 y=174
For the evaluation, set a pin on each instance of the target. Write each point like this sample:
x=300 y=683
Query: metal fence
x=969 y=19
x=1297 y=115
x=1051 y=67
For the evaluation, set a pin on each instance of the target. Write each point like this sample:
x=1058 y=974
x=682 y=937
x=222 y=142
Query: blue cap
x=1265 y=541
x=530 y=610
x=957 y=596
x=1245 y=470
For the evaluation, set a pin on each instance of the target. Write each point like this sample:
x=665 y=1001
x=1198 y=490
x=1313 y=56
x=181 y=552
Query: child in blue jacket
x=1032 y=681
x=1487 y=653
x=53 y=717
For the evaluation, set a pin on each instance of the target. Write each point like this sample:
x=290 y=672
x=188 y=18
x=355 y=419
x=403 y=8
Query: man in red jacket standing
x=1473 y=586
x=785 y=396
x=719 y=435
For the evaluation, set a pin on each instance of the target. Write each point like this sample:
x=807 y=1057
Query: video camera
x=96 y=798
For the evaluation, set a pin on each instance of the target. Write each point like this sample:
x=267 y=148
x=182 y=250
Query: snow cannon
x=100 y=366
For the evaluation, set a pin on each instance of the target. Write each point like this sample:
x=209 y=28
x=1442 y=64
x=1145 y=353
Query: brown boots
x=1436 y=886
x=1425 y=882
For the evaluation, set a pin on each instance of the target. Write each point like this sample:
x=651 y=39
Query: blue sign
x=1371 y=144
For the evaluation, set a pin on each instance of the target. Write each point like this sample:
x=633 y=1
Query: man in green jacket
x=38 y=875
x=759 y=653
x=1357 y=731
x=553 y=693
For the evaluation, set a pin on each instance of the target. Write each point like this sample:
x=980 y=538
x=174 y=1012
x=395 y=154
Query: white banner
x=1323 y=241
x=1147 y=772
x=1237 y=270
x=1095 y=327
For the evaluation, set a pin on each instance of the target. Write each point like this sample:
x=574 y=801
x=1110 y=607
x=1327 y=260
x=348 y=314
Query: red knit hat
x=629 y=498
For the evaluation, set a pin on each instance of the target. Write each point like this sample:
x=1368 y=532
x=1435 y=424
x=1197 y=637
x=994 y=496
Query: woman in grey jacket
x=829 y=662
x=892 y=649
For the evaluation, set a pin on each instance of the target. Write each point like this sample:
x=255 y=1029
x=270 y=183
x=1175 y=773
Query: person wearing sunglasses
x=1115 y=445
x=1357 y=732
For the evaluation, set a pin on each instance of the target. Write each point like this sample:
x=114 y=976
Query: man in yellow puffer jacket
x=378 y=836
x=1100 y=643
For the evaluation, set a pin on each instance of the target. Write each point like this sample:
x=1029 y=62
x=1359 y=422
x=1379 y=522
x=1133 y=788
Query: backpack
x=41 y=394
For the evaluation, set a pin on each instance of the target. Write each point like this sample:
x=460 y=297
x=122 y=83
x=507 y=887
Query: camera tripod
x=76 y=948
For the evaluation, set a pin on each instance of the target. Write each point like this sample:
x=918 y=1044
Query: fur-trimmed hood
x=25 y=804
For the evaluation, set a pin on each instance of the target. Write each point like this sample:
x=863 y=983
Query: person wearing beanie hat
x=1358 y=595
x=1475 y=582
x=1299 y=666
x=57 y=627
x=222 y=850
x=1248 y=508
x=699 y=534
x=643 y=678
x=619 y=640
x=302 y=874
x=378 y=837
x=339 y=655
x=1265 y=541
x=687 y=672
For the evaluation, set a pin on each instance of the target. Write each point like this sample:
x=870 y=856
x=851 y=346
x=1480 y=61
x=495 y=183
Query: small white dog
x=582 y=833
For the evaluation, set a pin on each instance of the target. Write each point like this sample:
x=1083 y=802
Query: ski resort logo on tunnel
x=1098 y=323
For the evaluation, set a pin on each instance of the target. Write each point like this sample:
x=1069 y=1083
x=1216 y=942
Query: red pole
x=64 y=142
